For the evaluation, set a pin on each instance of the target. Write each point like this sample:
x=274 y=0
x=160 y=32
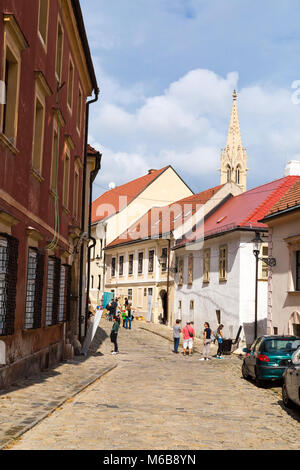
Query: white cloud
x=186 y=126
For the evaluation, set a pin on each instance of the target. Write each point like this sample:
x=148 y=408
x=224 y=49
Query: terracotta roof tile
x=116 y=199
x=162 y=220
x=290 y=199
x=244 y=210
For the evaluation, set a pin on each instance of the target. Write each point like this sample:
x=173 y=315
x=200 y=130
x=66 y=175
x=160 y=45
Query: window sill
x=5 y=141
x=66 y=210
x=36 y=174
x=293 y=292
x=222 y=279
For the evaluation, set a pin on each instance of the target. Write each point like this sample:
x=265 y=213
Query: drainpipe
x=83 y=208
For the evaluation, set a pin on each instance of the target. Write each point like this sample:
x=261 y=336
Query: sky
x=167 y=69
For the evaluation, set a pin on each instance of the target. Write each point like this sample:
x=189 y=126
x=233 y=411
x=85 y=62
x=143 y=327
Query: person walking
x=177 y=332
x=128 y=318
x=114 y=335
x=124 y=317
x=206 y=343
x=109 y=309
x=188 y=338
x=219 y=336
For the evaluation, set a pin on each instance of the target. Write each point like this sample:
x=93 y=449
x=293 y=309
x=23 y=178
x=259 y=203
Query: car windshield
x=280 y=346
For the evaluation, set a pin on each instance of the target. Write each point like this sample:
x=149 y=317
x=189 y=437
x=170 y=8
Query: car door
x=293 y=378
x=251 y=360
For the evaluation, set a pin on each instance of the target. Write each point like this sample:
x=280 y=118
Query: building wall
x=167 y=188
x=234 y=297
x=285 y=300
x=141 y=283
x=27 y=204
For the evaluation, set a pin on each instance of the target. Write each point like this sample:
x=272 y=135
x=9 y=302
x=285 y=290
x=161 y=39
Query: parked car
x=291 y=384
x=268 y=357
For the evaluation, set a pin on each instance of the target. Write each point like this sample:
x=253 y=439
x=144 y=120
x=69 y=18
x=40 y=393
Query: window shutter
x=11 y=279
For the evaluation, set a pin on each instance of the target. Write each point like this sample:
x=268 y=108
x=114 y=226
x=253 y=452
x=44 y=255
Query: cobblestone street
x=155 y=399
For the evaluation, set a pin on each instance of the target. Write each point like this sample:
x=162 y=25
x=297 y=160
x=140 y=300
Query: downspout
x=92 y=178
x=83 y=208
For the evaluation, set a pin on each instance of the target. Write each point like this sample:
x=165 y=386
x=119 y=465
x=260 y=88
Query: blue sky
x=167 y=69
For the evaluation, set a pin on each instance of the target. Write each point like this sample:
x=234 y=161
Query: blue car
x=268 y=357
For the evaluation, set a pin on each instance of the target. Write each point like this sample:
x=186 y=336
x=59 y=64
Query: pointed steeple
x=234 y=156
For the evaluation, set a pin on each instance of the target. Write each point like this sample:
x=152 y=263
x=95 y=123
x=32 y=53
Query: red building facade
x=46 y=75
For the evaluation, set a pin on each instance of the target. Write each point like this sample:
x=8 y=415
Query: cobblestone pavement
x=155 y=399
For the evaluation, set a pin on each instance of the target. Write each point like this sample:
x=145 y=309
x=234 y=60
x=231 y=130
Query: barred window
x=31 y=288
x=113 y=267
x=50 y=292
x=121 y=265
x=62 y=294
x=130 y=266
x=8 y=282
x=164 y=255
x=3 y=283
x=223 y=263
x=140 y=263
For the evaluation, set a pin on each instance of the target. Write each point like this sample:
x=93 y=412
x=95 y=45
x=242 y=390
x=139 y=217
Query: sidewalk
x=33 y=399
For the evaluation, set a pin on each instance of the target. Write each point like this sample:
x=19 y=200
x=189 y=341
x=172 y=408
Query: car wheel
x=285 y=398
x=244 y=372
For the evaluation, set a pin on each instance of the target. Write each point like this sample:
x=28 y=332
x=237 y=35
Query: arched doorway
x=164 y=303
x=294 y=324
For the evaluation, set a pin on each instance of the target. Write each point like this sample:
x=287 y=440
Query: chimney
x=151 y=171
x=292 y=168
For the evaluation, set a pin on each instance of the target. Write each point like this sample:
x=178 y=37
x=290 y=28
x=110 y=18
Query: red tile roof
x=129 y=190
x=91 y=150
x=289 y=200
x=162 y=220
x=243 y=211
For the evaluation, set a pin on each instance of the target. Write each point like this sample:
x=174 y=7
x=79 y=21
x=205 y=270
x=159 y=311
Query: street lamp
x=257 y=242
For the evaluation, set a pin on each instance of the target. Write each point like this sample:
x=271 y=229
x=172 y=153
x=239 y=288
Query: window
x=218 y=314
x=99 y=281
x=79 y=110
x=150 y=291
x=191 y=305
x=264 y=267
x=59 y=50
x=38 y=136
x=55 y=159
x=228 y=169
x=43 y=20
x=66 y=188
x=53 y=286
x=129 y=294
x=164 y=255
x=298 y=270
x=75 y=193
x=8 y=283
x=70 y=84
x=14 y=44
x=223 y=263
x=190 y=269
x=113 y=267
x=64 y=293
x=140 y=263
x=31 y=290
x=179 y=305
x=145 y=292
x=180 y=271
x=92 y=282
x=151 y=261
x=130 y=265
x=3 y=283
x=121 y=265
x=238 y=175
x=206 y=265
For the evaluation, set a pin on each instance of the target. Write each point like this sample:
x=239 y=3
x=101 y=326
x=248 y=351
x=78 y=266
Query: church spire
x=234 y=156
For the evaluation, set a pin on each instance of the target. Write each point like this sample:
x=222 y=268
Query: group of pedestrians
x=114 y=315
x=188 y=333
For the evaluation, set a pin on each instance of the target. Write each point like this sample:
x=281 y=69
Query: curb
x=59 y=405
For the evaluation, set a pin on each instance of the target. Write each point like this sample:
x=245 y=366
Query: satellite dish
x=112 y=185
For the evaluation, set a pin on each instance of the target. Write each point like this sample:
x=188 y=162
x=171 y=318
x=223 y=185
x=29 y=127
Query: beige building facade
x=119 y=208
x=284 y=278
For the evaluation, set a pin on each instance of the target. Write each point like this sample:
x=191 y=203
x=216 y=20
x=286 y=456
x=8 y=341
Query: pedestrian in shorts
x=188 y=338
